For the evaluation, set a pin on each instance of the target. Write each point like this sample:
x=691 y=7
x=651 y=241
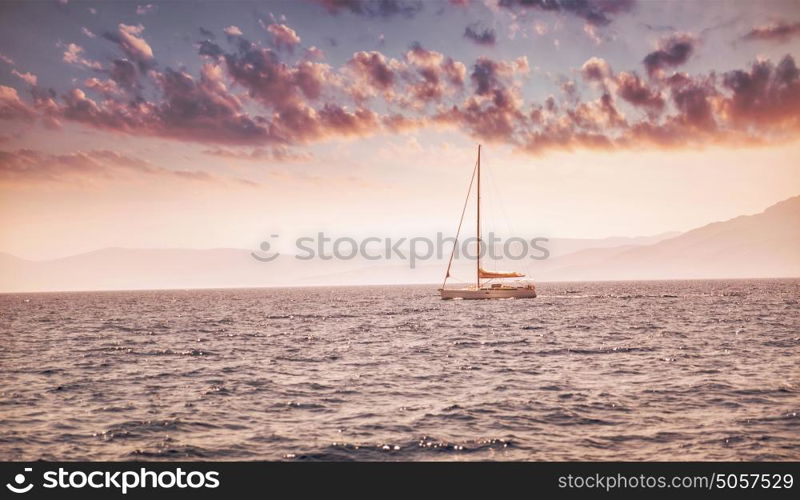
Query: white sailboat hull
x=488 y=293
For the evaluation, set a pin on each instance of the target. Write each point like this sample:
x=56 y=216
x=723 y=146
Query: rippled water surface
x=693 y=370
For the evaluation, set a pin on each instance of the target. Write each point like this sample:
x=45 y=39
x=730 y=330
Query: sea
x=668 y=370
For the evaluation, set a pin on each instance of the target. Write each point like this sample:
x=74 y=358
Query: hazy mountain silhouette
x=761 y=245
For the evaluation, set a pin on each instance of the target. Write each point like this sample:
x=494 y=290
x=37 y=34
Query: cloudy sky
x=215 y=124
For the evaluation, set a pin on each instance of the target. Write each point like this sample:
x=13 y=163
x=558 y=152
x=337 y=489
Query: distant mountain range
x=751 y=246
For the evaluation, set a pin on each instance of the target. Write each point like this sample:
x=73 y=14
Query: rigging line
x=458 y=232
x=495 y=213
x=489 y=212
x=495 y=202
x=509 y=223
x=458 y=279
x=526 y=264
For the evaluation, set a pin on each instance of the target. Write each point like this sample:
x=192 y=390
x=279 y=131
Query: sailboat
x=490 y=288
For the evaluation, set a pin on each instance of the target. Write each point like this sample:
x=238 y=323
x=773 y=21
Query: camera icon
x=263 y=256
x=19 y=480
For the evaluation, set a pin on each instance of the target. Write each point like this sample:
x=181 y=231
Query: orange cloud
x=26 y=167
x=12 y=107
x=780 y=31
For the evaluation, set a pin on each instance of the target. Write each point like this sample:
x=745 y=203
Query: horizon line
x=426 y=284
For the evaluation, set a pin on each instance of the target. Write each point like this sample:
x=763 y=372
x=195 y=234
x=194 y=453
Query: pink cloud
x=595 y=12
x=233 y=31
x=143 y=10
x=74 y=55
x=271 y=82
x=107 y=88
x=480 y=35
x=27 y=167
x=779 y=31
x=252 y=95
x=130 y=41
x=283 y=36
x=433 y=76
x=767 y=95
x=596 y=70
x=374 y=8
x=495 y=112
x=279 y=154
x=672 y=51
x=634 y=90
x=314 y=53
x=372 y=73
x=12 y=107
x=397 y=123
x=28 y=78
x=489 y=74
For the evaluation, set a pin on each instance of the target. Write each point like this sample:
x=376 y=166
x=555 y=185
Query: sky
x=217 y=124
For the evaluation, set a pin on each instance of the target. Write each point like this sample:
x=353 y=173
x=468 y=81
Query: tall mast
x=478 y=243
